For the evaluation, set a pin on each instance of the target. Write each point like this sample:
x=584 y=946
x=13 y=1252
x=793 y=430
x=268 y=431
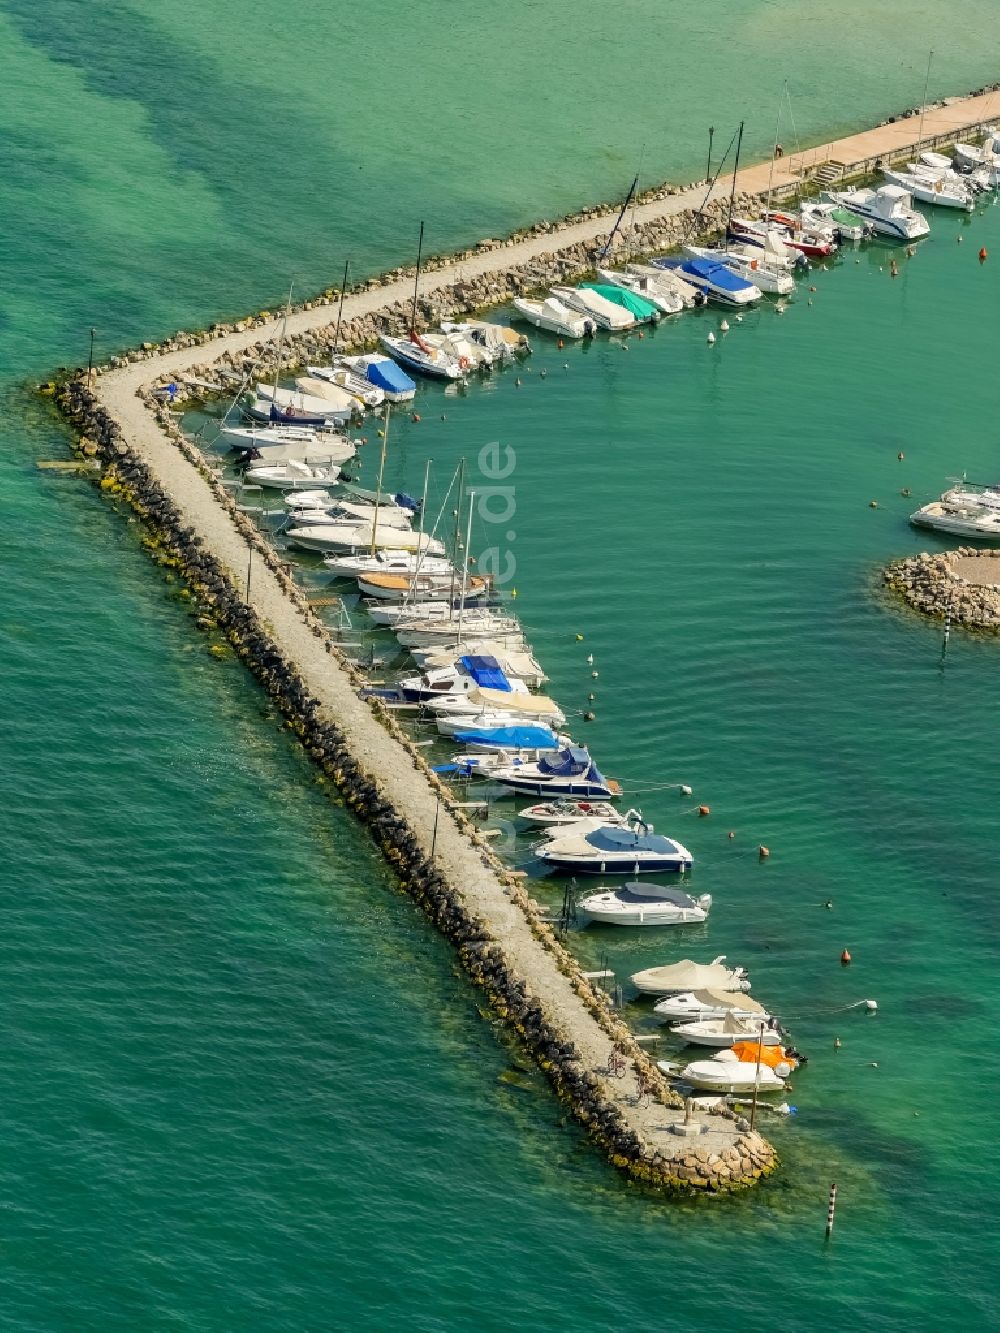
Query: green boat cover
x=643 y=310
x=846 y=218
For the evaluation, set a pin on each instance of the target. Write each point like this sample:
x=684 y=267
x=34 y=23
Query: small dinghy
x=689 y=976
x=725 y=1032
x=552 y=814
x=710 y=1003
x=644 y=905
x=612 y=850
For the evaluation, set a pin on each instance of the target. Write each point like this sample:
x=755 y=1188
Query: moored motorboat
x=613 y=850
x=291 y=476
x=358 y=537
x=383 y=374
x=644 y=904
x=688 y=975
x=721 y=1033
x=719 y=282
x=416 y=354
x=733 y=1075
x=669 y=283
x=359 y=387
x=552 y=814
x=555 y=317
x=592 y=305
x=388 y=562
x=749 y=265
x=293 y=405
x=981 y=523
x=530 y=737
x=642 y=310
x=932 y=191
x=709 y=1003
x=889 y=209
x=641 y=285
x=522 y=665
x=570 y=772
x=389 y=587
x=847 y=226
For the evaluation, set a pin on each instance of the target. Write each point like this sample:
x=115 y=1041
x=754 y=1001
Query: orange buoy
x=845 y=959
x=642 y=335
x=414 y=416
x=703 y=810
x=763 y=852
x=560 y=344
x=983 y=254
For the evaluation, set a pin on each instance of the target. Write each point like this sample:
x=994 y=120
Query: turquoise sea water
x=243 y=1086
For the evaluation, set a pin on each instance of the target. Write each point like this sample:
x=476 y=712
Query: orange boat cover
x=746 y=1051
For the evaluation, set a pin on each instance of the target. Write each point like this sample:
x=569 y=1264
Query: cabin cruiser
x=688 y=976
x=668 y=302
x=592 y=305
x=291 y=476
x=931 y=190
x=889 y=209
x=847 y=226
x=644 y=905
x=813 y=242
x=555 y=317
x=966 y=495
x=980 y=523
x=770 y=238
x=641 y=310
x=383 y=374
x=469 y=674
x=570 y=772
x=746 y=264
x=613 y=850
x=522 y=665
x=349 y=381
x=709 y=1003
x=719 y=282
x=417 y=354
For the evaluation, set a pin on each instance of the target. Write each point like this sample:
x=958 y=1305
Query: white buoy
x=739 y=319
x=711 y=338
x=724 y=326
x=685 y=790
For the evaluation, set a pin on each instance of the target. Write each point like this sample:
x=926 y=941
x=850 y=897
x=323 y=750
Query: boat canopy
x=718 y=274
x=569 y=763
x=610 y=838
x=386 y=375
x=486 y=672
x=635 y=892
x=637 y=306
x=536 y=705
x=510 y=738
x=686 y=975
x=725 y=999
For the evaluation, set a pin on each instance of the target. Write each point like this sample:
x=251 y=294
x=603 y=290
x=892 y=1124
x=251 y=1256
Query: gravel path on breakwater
x=963 y=585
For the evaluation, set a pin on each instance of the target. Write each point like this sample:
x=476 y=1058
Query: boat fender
x=845 y=959
x=782 y=1068
x=464 y=363
x=703 y=810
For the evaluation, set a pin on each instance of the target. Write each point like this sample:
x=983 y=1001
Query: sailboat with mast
x=414 y=352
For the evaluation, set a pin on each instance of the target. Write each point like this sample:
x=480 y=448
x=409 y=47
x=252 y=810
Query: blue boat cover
x=389 y=377
x=711 y=270
x=612 y=839
x=486 y=672
x=568 y=763
x=511 y=738
x=407 y=502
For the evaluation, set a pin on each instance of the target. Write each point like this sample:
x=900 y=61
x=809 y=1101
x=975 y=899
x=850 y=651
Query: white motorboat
x=735 y=1076
x=669 y=302
x=644 y=905
x=556 y=814
x=466 y=351
x=295 y=404
x=748 y=266
x=356 y=537
x=502 y=342
x=971 y=184
x=668 y=282
x=464 y=678
x=723 y=1032
x=770 y=238
x=330 y=392
x=338 y=511
x=847 y=226
x=358 y=386
x=592 y=305
x=571 y=772
x=383 y=373
x=889 y=209
x=709 y=1003
x=987 y=157
x=388 y=562
x=515 y=700
x=521 y=666
x=983 y=524
x=417 y=354
x=690 y=976
x=292 y=476
x=428 y=587
x=442 y=633
x=612 y=850
x=937 y=161
x=930 y=191
x=720 y=283
x=417 y=613
x=968 y=496
x=554 y=317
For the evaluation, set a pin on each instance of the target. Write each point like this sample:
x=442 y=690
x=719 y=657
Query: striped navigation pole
x=831 y=1209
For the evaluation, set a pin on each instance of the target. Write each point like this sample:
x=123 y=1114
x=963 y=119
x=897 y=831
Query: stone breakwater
x=530 y=979
x=962 y=585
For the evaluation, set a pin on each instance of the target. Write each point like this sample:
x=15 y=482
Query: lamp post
x=90 y=359
x=711 y=136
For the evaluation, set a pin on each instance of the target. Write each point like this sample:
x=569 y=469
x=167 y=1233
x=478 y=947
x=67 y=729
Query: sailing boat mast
x=378 y=487
x=732 y=192
x=281 y=342
x=618 y=220
x=416 y=282
x=923 y=100
x=774 y=148
x=340 y=310
x=465 y=568
x=458 y=520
